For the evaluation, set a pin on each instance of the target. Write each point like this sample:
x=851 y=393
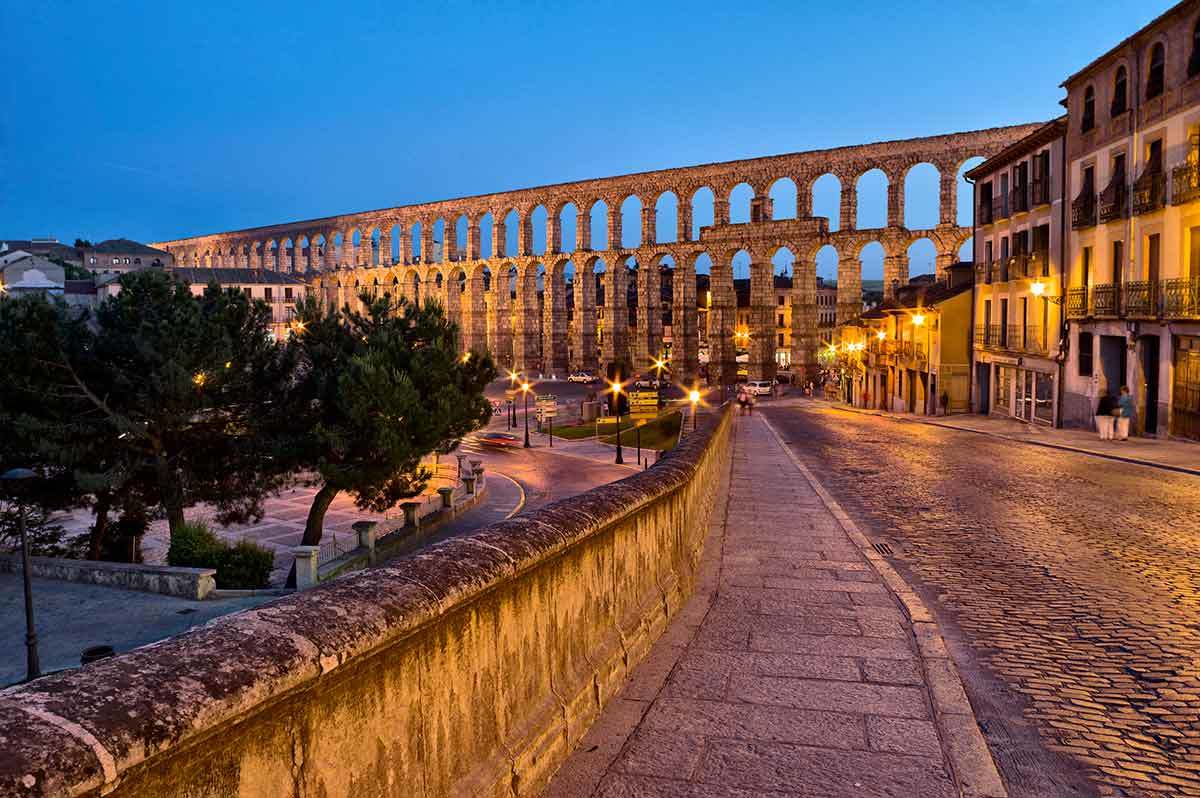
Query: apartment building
x=1133 y=294
x=280 y=290
x=1018 y=348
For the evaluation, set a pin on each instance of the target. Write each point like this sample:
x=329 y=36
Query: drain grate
x=883 y=549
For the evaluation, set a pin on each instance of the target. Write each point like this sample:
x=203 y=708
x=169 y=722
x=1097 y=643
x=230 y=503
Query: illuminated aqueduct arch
x=493 y=295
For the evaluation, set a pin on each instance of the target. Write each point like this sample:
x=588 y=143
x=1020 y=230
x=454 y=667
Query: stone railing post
x=306 y=566
x=366 y=538
x=411 y=516
x=469 y=483
x=447 y=495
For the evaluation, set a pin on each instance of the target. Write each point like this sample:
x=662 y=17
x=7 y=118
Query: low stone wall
x=189 y=583
x=468 y=668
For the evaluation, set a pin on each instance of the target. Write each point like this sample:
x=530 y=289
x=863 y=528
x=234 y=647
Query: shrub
x=245 y=566
x=194 y=545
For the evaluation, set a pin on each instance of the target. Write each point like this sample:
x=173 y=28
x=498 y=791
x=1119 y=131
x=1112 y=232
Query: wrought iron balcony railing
x=1020 y=198
x=1083 y=210
x=1185 y=183
x=1104 y=300
x=980 y=335
x=1032 y=341
x=1181 y=298
x=1077 y=303
x=1149 y=192
x=1039 y=264
x=1139 y=298
x=1041 y=191
x=995 y=334
x=1114 y=200
x=985 y=212
x=1000 y=207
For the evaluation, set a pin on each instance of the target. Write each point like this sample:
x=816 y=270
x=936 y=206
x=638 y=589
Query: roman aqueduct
x=435 y=250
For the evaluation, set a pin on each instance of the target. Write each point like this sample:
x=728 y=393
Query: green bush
x=194 y=545
x=243 y=566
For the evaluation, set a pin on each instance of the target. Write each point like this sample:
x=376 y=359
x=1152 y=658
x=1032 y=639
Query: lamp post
x=918 y=320
x=512 y=405
x=525 y=391
x=616 y=389
x=694 y=398
x=14 y=479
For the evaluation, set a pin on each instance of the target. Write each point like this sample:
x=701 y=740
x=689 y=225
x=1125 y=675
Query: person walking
x=1104 y=416
x=1128 y=411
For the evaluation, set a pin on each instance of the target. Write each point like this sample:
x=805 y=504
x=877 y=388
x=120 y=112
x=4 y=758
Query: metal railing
x=1104 y=299
x=1041 y=191
x=1114 y=200
x=1139 y=298
x=1020 y=198
x=995 y=336
x=1032 y=340
x=1077 y=303
x=1018 y=265
x=1150 y=192
x=980 y=335
x=1000 y=207
x=985 y=212
x=998 y=272
x=1181 y=298
x=1185 y=183
x=1083 y=210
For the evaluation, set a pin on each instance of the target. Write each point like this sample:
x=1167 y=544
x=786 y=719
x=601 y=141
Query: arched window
x=1154 y=81
x=1120 y=84
x=1089 y=110
x=1194 y=60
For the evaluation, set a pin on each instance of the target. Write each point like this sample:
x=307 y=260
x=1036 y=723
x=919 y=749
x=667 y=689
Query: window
x=987 y=252
x=1004 y=248
x=1118 y=260
x=249 y=291
x=780 y=320
x=1003 y=322
x=779 y=300
x=1194 y=60
x=1154 y=160
x=1089 y=110
x=1120 y=83
x=781 y=339
x=137 y=261
x=267 y=293
x=287 y=293
x=1085 y=354
x=1154 y=80
x=1087 y=267
x=1118 y=167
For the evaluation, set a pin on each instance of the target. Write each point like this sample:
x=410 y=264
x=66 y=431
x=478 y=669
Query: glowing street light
x=525 y=391
x=694 y=398
x=616 y=389
x=918 y=319
x=881 y=335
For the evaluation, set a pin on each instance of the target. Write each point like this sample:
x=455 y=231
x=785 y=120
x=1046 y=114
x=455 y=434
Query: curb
x=967 y=752
x=1044 y=444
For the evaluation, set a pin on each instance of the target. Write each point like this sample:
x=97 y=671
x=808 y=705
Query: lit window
x=1154 y=80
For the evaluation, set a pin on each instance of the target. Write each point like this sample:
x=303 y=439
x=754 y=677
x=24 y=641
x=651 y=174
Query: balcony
x=1020 y=199
x=1032 y=341
x=999 y=271
x=1041 y=191
x=1185 y=183
x=1139 y=298
x=1083 y=210
x=919 y=353
x=995 y=335
x=980 y=335
x=1039 y=264
x=1150 y=192
x=1114 y=200
x=1181 y=298
x=1104 y=300
x=985 y=211
x=1077 y=303
x=1018 y=266
x=1000 y=208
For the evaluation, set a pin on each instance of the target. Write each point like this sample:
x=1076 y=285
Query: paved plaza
x=794 y=670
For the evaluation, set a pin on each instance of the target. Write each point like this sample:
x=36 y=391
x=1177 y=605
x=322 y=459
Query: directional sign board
x=643 y=404
x=547 y=405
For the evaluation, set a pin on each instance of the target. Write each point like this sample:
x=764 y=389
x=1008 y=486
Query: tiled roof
x=235 y=276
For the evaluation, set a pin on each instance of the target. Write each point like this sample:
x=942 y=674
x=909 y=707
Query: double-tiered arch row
x=499 y=263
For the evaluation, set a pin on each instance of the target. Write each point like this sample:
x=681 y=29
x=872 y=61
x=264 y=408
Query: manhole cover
x=883 y=549
x=188 y=611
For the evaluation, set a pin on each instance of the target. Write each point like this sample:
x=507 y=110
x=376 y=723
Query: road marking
x=521 y=503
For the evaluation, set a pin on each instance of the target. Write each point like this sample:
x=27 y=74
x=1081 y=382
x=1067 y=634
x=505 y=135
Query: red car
x=502 y=439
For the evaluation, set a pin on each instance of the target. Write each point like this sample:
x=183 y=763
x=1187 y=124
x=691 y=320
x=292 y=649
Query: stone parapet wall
x=469 y=668
x=188 y=583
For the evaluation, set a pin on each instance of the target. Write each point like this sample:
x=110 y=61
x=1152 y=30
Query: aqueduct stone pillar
x=526 y=320
x=614 y=228
x=583 y=232
x=946 y=203
x=499 y=239
x=895 y=274
x=554 y=312
x=895 y=194
x=722 y=315
x=500 y=320
x=849 y=289
x=385 y=248
x=473 y=240
x=761 y=346
x=584 y=328
x=804 y=317
x=684 y=219
x=849 y=207
x=684 y=331
x=615 y=338
x=649 y=316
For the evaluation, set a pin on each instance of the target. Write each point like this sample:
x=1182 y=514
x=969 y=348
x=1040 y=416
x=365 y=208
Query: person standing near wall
x=1104 y=416
x=1128 y=411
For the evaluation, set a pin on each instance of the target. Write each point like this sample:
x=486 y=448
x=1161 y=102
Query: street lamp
x=616 y=389
x=525 y=391
x=918 y=320
x=13 y=480
x=694 y=398
x=512 y=406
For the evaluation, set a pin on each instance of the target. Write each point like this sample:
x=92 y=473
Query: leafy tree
x=377 y=392
x=82 y=243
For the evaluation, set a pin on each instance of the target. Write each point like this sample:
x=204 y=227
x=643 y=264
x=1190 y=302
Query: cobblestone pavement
x=792 y=670
x=1075 y=582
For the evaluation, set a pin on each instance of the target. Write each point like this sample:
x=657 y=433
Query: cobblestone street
x=1072 y=579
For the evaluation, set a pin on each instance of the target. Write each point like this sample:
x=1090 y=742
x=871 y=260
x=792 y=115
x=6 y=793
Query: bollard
x=410 y=514
x=306 y=566
x=476 y=464
x=446 y=494
x=461 y=459
x=469 y=482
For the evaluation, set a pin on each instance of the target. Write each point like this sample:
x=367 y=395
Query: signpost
x=643 y=404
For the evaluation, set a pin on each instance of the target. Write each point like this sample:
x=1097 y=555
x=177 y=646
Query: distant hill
x=872 y=285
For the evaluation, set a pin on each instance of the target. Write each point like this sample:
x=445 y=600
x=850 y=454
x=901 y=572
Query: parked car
x=500 y=439
x=587 y=378
x=760 y=387
x=647 y=383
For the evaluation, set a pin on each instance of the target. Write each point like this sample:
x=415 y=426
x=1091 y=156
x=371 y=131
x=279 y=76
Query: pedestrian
x=1128 y=411
x=1104 y=416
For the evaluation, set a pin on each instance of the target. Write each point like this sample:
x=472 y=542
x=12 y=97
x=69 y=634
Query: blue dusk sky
x=155 y=120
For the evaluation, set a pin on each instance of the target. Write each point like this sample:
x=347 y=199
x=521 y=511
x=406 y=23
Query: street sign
x=643 y=404
x=547 y=406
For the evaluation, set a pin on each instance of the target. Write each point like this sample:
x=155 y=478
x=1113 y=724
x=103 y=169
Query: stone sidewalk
x=803 y=665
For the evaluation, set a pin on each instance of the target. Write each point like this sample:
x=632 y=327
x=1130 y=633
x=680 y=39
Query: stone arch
x=964 y=200
x=870 y=255
x=416 y=242
x=565 y=235
x=739 y=198
x=486 y=223
x=704 y=210
x=871 y=193
x=535 y=230
x=632 y=234
x=784 y=196
x=827 y=199
x=666 y=218
x=510 y=228
x=921 y=185
x=598 y=221
x=922 y=256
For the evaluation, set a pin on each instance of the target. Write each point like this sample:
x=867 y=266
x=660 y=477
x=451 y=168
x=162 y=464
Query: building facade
x=1133 y=297
x=280 y=291
x=1020 y=208
x=120 y=255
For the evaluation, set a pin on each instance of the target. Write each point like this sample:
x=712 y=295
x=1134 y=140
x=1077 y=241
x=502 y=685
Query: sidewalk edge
x=1045 y=444
x=970 y=759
